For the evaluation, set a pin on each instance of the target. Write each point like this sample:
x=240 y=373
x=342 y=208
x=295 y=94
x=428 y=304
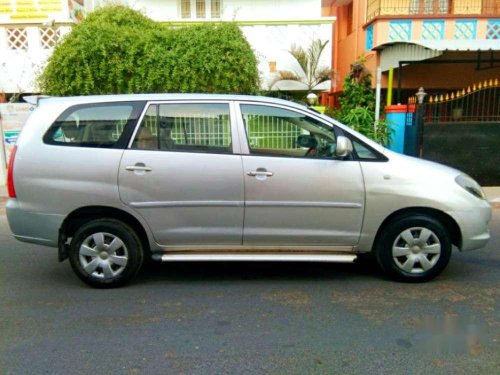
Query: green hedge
x=119 y=50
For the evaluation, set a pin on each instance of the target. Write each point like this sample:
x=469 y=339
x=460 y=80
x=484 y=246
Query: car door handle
x=141 y=168
x=260 y=173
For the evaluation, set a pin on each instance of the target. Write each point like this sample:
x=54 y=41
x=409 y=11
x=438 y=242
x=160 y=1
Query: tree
x=118 y=50
x=357 y=105
x=312 y=73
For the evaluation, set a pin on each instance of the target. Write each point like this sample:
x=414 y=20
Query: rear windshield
x=104 y=125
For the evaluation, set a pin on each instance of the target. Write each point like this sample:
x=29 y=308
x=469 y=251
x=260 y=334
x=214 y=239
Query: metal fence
x=462 y=129
x=270 y=132
x=262 y=131
x=477 y=103
x=207 y=130
x=376 y=8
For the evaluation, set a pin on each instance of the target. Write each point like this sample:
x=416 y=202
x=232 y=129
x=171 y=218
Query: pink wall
x=350 y=47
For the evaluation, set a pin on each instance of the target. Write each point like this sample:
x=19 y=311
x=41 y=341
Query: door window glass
x=147 y=135
x=281 y=132
x=193 y=127
x=363 y=152
x=94 y=125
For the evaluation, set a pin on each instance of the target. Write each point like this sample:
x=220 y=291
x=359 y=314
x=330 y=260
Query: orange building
x=437 y=44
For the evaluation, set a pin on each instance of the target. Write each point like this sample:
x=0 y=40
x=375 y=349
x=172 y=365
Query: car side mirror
x=344 y=146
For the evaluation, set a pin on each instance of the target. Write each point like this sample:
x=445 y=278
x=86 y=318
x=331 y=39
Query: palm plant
x=312 y=73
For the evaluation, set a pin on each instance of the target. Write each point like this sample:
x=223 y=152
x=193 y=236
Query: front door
x=181 y=175
x=296 y=191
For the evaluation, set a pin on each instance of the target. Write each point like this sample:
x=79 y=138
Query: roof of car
x=160 y=97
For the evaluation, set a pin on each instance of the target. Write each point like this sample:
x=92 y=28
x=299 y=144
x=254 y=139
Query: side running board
x=334 y=258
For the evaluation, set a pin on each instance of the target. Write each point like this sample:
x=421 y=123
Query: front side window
x=197 y=127
x=104 y=125
x=363 y=152
x=280 y=132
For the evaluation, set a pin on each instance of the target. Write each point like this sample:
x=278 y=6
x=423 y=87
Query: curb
x=493 y=195
x=495 y=204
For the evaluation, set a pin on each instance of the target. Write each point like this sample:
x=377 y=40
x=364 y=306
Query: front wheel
x=413 y=248
x=105 y=253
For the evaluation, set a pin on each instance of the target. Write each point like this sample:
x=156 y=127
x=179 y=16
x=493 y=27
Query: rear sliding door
x=181 y=175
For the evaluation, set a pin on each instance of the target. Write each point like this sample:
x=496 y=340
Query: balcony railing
x=440 y=8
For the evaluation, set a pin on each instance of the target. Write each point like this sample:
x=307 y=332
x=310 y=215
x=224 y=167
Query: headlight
x=470 y=185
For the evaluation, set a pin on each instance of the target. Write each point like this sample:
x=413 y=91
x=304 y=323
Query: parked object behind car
x=114 y=180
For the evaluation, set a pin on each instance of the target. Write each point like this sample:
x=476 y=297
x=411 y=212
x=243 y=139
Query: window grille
x=49 y=36
x=185 y=8
x=465 y=29
x=17 y=39
x=369 y=37
x=270 y=132
x=215 y=8
x=493 y=29
x=202 y=129
x=200 y=9
x=433 y=30
x=400 y=30
x=186 y=127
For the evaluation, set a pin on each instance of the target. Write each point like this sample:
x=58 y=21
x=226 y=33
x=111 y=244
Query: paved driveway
x=248 y=318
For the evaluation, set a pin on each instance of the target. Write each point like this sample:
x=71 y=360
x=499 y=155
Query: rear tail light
x=10 y=174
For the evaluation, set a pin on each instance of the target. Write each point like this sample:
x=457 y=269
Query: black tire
x=128 y=254
x=387 y=249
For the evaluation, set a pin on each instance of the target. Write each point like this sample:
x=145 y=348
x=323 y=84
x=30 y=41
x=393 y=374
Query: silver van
x=114 y=180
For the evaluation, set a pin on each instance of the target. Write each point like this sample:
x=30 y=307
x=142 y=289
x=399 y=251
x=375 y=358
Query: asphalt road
x=248 y=318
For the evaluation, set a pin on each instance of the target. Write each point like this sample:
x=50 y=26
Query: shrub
x=357 y=108
x=118 y=50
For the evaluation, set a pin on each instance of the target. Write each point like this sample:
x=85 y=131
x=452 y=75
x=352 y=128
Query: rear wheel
x=106 y=253
x=414 y=248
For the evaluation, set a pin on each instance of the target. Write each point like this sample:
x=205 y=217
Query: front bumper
x=473 y=225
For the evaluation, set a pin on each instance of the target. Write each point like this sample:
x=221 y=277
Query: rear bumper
x=42 y=229
x=473 y=225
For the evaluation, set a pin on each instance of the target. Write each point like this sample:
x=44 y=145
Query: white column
x=377 y=98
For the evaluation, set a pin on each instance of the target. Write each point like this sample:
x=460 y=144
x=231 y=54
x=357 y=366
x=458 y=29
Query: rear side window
x=196 y=127
x=103 y=125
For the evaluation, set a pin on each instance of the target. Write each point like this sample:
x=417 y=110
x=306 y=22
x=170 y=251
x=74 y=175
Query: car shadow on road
x=240 y=271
